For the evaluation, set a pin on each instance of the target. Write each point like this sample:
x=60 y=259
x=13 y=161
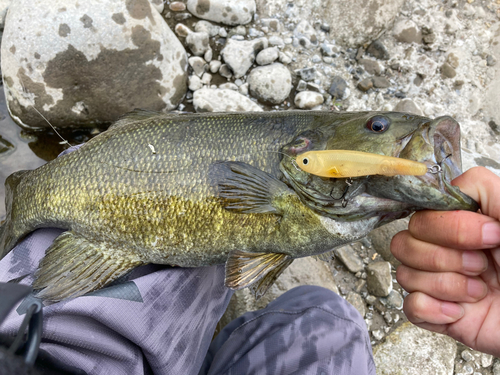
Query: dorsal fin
x=137 y=115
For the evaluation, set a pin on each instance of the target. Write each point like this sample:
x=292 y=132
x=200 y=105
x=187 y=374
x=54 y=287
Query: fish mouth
x=435 y=143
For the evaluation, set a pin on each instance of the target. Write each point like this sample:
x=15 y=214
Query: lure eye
x=305 y=161
x=378 y=124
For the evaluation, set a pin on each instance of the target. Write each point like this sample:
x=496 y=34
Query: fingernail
x=491 y=233
x=475 y=288
x=452 y=310
x=472 y=261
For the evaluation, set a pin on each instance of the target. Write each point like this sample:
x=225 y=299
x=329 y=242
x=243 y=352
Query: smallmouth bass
x=195 y=190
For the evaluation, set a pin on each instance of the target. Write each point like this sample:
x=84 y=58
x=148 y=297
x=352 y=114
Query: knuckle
x=438 y=261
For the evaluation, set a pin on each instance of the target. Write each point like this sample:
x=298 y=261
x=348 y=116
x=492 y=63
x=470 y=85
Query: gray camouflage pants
x=163 y=321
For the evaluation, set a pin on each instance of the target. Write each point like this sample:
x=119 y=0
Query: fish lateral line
x=349 y=163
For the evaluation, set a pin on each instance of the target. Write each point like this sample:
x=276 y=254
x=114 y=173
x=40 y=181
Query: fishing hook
x=435 y=169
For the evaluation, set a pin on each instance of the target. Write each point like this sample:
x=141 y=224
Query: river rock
x=223 y=11
x=378 y=50
x=4 y=6
x=351 y=260
x=308 y=99
x=381 y=237
x=411 y=350
x=197 y=42
x=352 y=23
x=194 y=83
x=338 y=89
x=86 y=63
x=379 y=278
x=371 y=66
x=225 y=100
x=198 y=64
x=357 y=301
x=303 y=271
x=270 y=83
x=267 y=56
x=207 y=27
x=240 y=55
x=381 y=82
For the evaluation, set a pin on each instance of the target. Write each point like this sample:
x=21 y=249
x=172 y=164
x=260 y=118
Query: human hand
x=451 y=266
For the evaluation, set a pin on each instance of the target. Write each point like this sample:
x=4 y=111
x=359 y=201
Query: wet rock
x=303 y=271
x=307 y=74
x=222 y=100
x=223 y=11
x=365 y=84
x=381 y=237
x=371 y=66
x=194 y=83
x=225 y=72
x=379 y=278
x=305 y=30
x=276 y=41
x=206 y=78
x=214 y=66
x=302 y=85
x=357 y=301
x=285 y=58
x=328 y=49
x=412 y=350
x=338 y=89
x=5 y=145
x=394 y=300
x=197 y=42
x=207 y=27
x=408 y=106
x=177 y=6
x=267 y=56
x=351 y=23
x=87 y=58
x=381 y=82
x=198 y=64
x=407 y=31
x=308 y=99
x=270 y=83
x=182 y=30
x=378 y=50
x=448 y=71
x=350 y=259
x=240 y=55
x=467 y=355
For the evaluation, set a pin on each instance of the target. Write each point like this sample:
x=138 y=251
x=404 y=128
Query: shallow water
x=31 y=149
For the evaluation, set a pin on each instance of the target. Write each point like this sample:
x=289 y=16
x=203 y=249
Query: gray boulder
x=88 y=64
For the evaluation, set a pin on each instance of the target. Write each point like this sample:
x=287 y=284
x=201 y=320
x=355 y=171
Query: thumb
x=483 y=186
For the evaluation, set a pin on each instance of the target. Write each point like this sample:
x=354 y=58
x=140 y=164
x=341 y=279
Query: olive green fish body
x=196 y=190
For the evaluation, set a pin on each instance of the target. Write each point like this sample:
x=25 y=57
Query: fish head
x=433 y=142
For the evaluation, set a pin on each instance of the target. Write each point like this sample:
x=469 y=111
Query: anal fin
x=258 y=270
x=73 y=266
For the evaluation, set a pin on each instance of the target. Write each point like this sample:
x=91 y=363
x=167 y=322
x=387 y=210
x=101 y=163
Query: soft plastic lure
x=347 y=163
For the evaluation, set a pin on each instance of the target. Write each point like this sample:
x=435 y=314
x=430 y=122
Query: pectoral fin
x=73 y=266
x=257 y=269
x=249 y=190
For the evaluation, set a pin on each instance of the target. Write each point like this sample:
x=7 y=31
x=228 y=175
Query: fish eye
x=305 y=161
x=378 y=124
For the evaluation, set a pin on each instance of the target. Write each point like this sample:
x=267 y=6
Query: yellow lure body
x=347 y=163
